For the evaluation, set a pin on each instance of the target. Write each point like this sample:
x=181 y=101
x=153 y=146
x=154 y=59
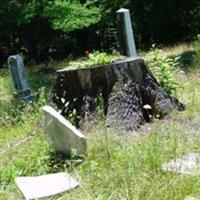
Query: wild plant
x=163 y=68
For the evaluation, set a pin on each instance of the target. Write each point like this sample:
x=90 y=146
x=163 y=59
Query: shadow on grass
x=187 y=60
x=60 y=162
x=38 y=81
x=4 y=72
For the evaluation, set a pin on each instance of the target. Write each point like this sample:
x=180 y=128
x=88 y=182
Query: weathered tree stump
x=131 y=95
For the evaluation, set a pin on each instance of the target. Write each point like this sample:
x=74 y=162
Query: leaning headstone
x=125 y=33
x=21 y=87
x=64 y=137
x=188 y=164
x=46 y=185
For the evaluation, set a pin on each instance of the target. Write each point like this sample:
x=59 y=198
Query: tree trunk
x=131 y=95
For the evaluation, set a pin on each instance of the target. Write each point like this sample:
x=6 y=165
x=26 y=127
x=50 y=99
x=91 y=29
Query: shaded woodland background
x=61 y=28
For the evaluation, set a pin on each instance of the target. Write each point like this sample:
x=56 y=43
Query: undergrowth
x=163 y=68
x=94 y=59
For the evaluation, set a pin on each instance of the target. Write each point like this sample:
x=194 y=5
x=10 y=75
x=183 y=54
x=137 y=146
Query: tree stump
x=131 y=95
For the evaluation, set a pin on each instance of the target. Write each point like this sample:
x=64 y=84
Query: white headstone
x=188 y=164
x=125 y=33
x=46 y=185
x=64 y=137
x=20 y=84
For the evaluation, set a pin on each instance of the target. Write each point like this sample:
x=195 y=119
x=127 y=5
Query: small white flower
x=63 y=100
x=147 y=107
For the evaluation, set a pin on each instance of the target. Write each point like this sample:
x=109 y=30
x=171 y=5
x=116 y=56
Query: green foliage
x=63 y=15
x=163 y=67
x=67 y=16
x=157 y=21
x=100 y=115
x=62 y=27
x=72 y=117
x=98 y=58
x=196 y=57
x=95 y=59
x=32 y=9
x=40 y=25
x=9 y=12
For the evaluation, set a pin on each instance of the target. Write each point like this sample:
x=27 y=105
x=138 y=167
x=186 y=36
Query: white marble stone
x=46 y=185
x=190 y=198
x=188 y=164
x=63 y=136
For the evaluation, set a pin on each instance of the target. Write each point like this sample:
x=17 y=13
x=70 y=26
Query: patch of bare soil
x=187 y=126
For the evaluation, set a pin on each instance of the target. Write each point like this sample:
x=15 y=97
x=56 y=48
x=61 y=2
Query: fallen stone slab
x=188 y=164
x=46 y=185
x=63 y=136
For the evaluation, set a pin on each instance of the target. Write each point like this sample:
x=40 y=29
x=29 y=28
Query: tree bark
x=131 y=95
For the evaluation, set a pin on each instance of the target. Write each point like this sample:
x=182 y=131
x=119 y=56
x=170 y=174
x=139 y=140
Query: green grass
x=117 y=166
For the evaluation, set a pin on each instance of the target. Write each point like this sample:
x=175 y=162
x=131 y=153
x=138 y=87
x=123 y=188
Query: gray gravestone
x=21 y=88
x=62 y=134
x=125 y=33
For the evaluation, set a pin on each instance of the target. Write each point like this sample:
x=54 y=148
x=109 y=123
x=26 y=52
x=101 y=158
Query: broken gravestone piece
x=46 y=185
x=188 y=164
x=21 y=87
x=64 y=137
